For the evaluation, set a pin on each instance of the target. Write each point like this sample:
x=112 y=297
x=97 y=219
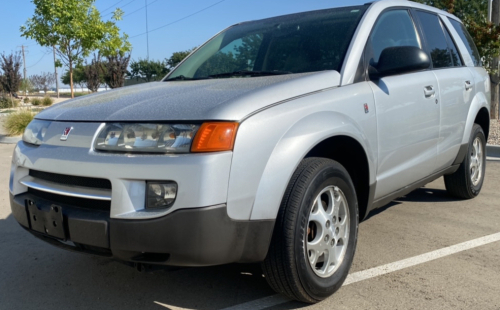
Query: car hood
x=213 y=99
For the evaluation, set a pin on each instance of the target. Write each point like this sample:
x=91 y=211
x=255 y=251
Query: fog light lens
x=161 y=195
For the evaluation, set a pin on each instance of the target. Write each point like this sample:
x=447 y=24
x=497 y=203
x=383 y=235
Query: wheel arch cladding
x=349 y=153
x=483 y=120
x=478 y=113
x=308 y=137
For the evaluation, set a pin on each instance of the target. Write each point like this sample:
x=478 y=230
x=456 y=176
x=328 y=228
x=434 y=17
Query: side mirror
x=398 y=60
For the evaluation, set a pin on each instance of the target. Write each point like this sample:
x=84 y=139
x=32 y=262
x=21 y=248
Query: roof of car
x=383 y=3
x=405 y=3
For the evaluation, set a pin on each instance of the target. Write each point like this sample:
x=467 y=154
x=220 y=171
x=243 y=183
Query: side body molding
x=271 y=144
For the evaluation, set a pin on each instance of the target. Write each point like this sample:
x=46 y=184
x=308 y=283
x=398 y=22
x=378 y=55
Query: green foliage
x=148 y=70
x=17 y=122
x=176 y=58
x=36 y=101
x=154 y=70
x=11 y=78
x=27 y=86
x=26 y=100
x=47 y=101
x=460 y=8
x=76 y=29
x=78 y=76
x=8 y=102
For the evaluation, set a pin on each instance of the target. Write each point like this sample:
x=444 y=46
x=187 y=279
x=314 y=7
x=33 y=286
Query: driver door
x=406 y=108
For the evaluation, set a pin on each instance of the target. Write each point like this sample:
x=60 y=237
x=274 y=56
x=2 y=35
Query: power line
x=110 y=13
x=112 y=6
x=139 y=9
x=43 y=56
x=181 y=19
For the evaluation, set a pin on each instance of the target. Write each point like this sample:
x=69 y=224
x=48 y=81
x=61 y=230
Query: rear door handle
x=468 y=85
x=429 y=91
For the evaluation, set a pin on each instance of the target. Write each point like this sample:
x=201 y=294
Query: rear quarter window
x=469 y=43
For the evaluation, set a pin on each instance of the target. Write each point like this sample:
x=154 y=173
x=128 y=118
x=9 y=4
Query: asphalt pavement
x=410 y=238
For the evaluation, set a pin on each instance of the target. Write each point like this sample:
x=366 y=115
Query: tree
x=460 y=8
x=79 y=77
x=76 y=29
x=148 y=70
x=11 y=78
x=27 y=85
x=115 y=70
x=43 y=81
x=94 y=73
x=176 y=58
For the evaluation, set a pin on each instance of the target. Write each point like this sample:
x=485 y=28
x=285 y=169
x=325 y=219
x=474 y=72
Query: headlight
x=35 y=132
x=146 y=138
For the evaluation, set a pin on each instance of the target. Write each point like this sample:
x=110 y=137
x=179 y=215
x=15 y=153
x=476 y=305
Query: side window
x=393 y=28
x=469 y=43
x=457 y=61
x=435 y=39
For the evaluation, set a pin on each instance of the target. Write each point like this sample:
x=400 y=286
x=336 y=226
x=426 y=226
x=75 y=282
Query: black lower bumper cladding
x=189 y=237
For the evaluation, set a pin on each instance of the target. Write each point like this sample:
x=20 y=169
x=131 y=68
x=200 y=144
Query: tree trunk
x=71 y=78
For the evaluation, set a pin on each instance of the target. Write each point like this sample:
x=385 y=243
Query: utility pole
x=495 y=19
x=55 y=70
x=147 y=30
x=24 y=62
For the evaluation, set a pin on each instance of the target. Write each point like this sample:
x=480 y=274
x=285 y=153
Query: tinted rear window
x=435 y=39
x=469 y=43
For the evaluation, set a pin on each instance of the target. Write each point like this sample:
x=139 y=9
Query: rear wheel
x=315 y=236
x=467 y=181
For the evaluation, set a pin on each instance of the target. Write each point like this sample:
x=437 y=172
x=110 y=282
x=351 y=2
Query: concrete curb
x=493 y=150
x=9 y=140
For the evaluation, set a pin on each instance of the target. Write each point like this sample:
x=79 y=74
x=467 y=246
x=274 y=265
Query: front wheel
x=315 y=236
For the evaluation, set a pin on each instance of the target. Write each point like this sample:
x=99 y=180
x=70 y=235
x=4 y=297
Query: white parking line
x=277 y=299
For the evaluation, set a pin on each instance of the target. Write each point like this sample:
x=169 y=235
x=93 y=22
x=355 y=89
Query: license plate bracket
x=49 y=222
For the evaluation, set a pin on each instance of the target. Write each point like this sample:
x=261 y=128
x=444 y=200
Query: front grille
x=71 y=180
x=92 y=204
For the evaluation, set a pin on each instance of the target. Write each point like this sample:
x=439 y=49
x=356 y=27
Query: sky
x=188 y=23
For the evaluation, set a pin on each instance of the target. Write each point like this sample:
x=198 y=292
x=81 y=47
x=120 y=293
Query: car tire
x=467 y=181
x=320 y=190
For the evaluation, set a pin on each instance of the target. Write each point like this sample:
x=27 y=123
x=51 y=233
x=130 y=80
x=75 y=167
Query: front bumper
x=202 y=178
x=186 y=237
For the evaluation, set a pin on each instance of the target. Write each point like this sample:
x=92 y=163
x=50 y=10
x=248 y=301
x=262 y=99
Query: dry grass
x=15 y=123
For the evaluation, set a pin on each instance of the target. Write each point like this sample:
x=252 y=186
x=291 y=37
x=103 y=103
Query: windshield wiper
x=183 y=78
x=248 y=72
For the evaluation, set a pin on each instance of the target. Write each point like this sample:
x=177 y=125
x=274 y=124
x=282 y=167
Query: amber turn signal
x=215 y=137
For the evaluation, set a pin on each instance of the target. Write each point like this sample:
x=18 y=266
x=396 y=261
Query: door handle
x=429 y=91
x=468 y=85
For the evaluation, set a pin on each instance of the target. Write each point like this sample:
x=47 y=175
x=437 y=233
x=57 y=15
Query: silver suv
x=269 y=143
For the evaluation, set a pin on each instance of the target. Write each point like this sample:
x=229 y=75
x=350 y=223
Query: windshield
x=304 y=42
